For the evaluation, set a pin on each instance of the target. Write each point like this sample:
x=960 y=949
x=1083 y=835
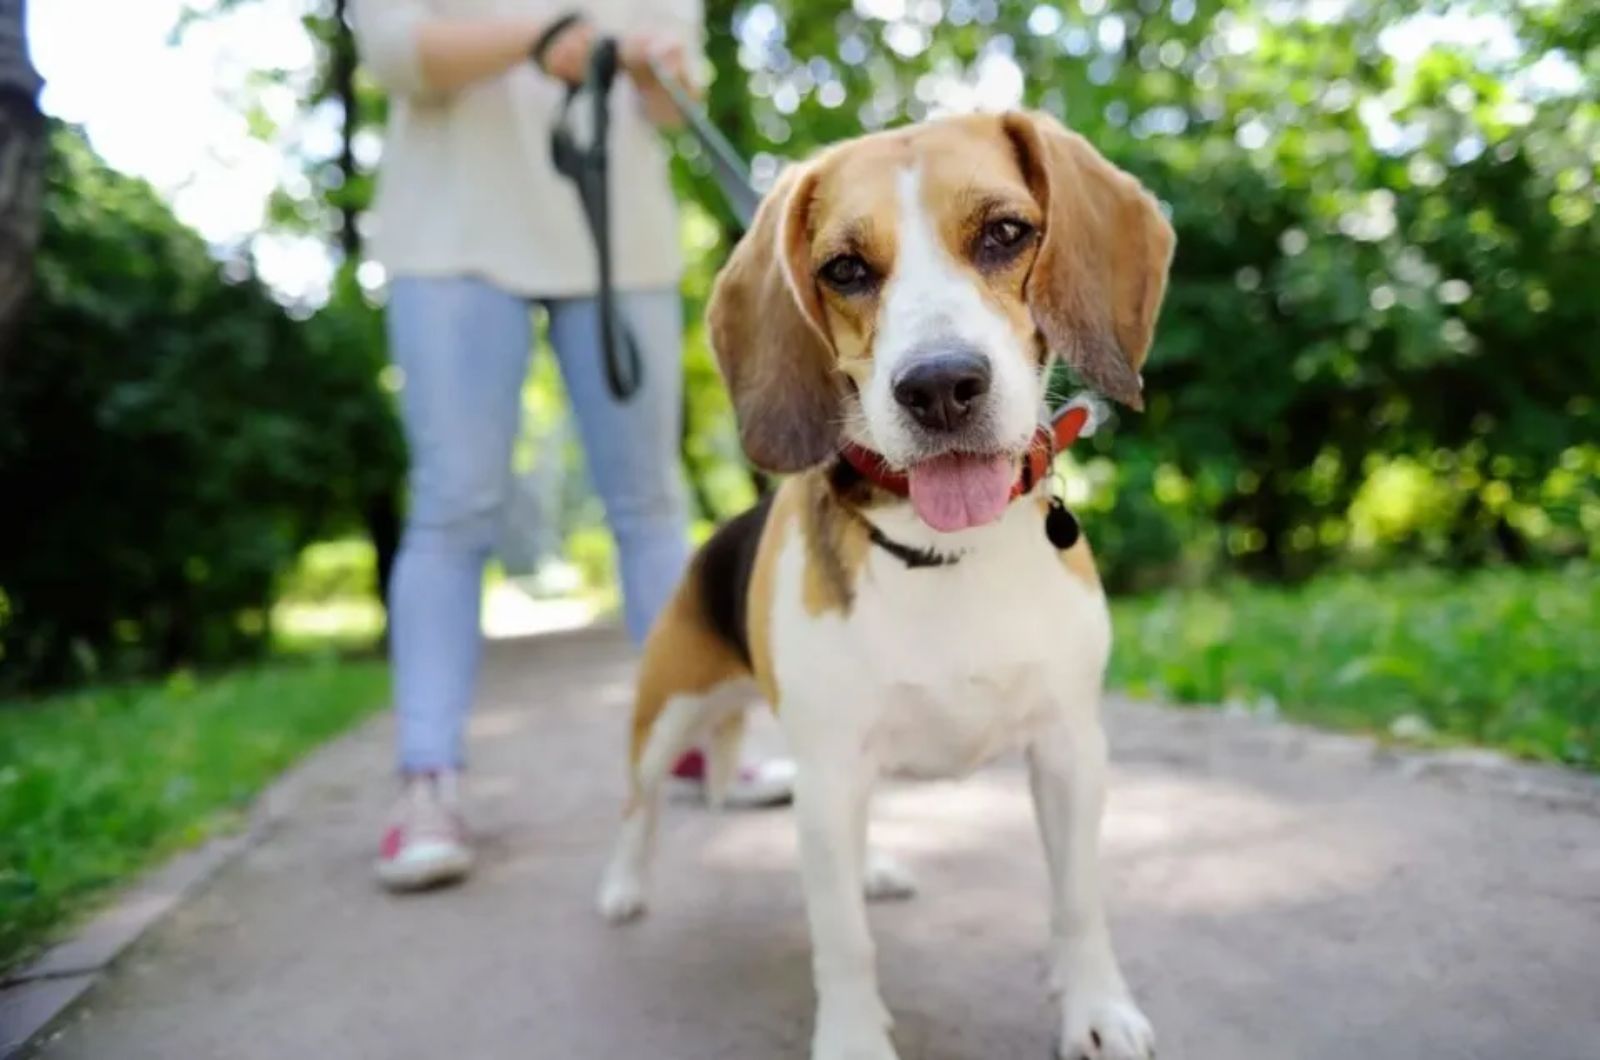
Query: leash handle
x=587 y=166
x=622 y=363
x=729 y=170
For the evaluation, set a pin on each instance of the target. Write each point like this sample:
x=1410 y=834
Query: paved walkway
x=1276 y=895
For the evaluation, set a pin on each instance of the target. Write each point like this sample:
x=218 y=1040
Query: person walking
x=475 y=229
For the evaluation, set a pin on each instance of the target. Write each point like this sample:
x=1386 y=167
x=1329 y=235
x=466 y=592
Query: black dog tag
x=1060 y=525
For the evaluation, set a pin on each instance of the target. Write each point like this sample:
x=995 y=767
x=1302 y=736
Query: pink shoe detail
x=692 y=766
x=756 y=785
x=426 y=845
x=393 y=840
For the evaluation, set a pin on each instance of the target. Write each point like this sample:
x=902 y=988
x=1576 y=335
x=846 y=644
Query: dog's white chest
x=950 y=721
x=944 y=668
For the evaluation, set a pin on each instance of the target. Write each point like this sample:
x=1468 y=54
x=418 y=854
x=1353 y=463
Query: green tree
x=1378 y=339
x=1382 y=257
x=170 y=438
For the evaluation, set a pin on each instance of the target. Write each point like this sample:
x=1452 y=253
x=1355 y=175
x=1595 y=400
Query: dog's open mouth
x=956 y=491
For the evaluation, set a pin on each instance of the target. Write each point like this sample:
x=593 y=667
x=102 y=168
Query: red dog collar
x=1078 y=417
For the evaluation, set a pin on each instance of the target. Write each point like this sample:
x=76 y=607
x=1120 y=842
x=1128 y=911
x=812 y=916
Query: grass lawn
x=1503 y=658
x=96 y=785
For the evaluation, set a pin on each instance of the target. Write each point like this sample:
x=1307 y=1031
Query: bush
x=1383 y=260
x=1502 y=657
x=170 y=438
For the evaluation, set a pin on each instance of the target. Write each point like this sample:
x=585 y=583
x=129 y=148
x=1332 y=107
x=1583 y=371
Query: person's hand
x=637 y=50
x=567 y=58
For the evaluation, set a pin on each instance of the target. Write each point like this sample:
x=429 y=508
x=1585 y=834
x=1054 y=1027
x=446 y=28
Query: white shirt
x=466 y=185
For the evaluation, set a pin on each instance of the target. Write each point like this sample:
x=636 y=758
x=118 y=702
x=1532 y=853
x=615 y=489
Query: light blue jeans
x=463 y=345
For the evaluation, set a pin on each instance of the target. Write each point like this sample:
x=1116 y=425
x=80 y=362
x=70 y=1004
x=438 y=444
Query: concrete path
x=1277 y=895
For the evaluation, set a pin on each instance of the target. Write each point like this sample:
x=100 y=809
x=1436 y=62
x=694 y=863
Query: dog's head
x=907 y=290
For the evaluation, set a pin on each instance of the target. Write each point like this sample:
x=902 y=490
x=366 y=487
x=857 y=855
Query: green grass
x=1505 y=658
x=96 y=785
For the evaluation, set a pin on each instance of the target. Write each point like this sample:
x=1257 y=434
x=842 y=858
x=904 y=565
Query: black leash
x=586 y=162
x=587 y=165
x=727 y=168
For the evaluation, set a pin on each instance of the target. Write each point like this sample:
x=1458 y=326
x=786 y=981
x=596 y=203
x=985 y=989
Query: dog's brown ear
x=1097 y=283
x=767 y=331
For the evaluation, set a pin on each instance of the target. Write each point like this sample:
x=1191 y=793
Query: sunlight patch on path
x=509 y=612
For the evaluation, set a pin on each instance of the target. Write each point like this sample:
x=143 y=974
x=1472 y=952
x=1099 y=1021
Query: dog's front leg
x=831 y=793
x=1067 y=769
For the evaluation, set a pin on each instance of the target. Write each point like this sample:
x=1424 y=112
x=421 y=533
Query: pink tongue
x=957 y=490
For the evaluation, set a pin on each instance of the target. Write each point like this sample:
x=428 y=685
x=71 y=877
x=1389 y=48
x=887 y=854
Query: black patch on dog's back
x=725 y=565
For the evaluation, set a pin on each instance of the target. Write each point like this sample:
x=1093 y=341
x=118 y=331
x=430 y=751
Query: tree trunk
x=22 y=144
x=343 y=77
x=382 y=511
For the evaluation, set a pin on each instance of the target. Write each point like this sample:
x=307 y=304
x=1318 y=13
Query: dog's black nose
x=940 y=391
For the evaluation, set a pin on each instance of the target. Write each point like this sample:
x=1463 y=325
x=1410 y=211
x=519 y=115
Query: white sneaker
x=767 y=783
x=426 y=842
x=755 y=786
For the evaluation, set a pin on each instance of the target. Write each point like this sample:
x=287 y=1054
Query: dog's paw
x=887 y=880
x=1105 y=1028
x=621 y=898
x=853 y=1028
x=864 y=1042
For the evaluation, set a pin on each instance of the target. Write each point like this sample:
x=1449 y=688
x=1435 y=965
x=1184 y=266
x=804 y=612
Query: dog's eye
x=847 y=274
x=1002 y=238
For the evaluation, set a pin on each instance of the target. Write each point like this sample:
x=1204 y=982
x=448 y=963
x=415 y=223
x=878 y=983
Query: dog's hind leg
x=884 y=878
x=622 y=889
x=691 y=685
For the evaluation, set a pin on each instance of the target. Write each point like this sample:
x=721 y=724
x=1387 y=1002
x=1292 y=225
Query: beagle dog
x=886 y=330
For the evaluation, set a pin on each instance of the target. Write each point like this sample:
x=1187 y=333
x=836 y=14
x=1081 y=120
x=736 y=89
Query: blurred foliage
x=1380 y=337
x=332 y=570
x=96 y=786
x=1379 y=342
x=1504 y=658
x=170 y=436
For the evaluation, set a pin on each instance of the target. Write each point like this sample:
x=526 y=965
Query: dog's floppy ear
x=1101 y=271
x=767 y=331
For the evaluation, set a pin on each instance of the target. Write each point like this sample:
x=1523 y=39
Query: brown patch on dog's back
x=724 y=567
x=683 y=655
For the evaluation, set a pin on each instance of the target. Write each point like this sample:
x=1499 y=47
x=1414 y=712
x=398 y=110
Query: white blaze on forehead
x=930 y=303
x=927 y=293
